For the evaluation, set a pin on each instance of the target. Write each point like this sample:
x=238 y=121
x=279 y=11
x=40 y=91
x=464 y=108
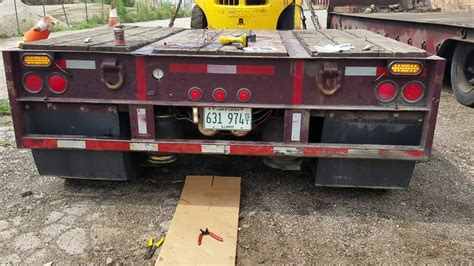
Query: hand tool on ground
x=152 y=246
x=207 y=232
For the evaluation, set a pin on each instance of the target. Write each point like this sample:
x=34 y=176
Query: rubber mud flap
x=98 y=165
x=369 y=173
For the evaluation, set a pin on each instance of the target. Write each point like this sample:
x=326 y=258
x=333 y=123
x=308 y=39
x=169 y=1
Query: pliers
x=152 y=246
x=207 y=232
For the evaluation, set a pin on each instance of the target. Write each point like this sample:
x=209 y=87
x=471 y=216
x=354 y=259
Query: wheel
x=198 y=18
x=462 y=74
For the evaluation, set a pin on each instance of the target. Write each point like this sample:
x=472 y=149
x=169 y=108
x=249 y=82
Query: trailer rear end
x=447 y=34
x=360 y=118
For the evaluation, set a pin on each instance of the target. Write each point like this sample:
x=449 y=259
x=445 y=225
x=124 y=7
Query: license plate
x=227 y=118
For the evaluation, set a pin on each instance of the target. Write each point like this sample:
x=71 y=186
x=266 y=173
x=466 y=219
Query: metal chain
x=314 y=17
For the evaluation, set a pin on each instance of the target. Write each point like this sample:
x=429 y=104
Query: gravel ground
x=283 y=217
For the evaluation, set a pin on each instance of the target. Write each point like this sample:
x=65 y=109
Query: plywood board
x=206 y=202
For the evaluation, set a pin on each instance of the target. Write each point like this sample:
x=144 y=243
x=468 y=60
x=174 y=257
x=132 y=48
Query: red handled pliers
x=207 y=232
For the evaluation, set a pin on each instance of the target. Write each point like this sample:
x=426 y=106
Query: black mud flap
x=364 y=173
x=98 y=165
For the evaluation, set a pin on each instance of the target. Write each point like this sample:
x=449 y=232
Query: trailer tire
x=198 y=18
x=462 y=74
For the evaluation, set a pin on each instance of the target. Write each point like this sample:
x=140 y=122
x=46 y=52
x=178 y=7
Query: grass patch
x=4 y=108
x=5 y=143
x=3 y=35
x=147 y=12
x=141 y=11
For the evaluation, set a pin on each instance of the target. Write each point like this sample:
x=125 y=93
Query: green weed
x=5 y=143
x=4 y=107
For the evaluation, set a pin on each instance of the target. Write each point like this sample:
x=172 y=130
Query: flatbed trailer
x=101 y=111
x=447 y=34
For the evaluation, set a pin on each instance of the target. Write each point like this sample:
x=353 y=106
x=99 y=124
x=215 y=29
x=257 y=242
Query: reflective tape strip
x=80 y=64
x=296 y=127
x=217 y=149
x=222 y=69
x=134 y=146
x=40 y=143
x=286 y=151
x=72 y=144
x=360 y=71
x=236 y=149
x=141 y=121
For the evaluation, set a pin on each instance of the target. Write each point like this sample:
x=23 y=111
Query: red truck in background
x=361 y=117
x=447 y=34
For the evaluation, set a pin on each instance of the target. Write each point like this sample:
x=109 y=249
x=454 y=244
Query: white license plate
x=227 y=118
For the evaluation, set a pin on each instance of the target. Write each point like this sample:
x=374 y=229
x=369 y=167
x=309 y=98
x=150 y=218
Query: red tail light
x=195 y=94
x=413 y=92
x=57 y=83
x=32 y=83
x=386 y=91
x=244 y=95
x=219 y=94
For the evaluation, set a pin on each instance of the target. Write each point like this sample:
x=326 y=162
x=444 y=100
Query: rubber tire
x=198 y=18
x=457 y=75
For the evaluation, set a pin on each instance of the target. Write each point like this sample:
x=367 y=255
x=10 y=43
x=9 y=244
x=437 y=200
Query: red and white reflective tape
x=222 y=69
x=231 y=149
x=76 y=64
x=366 y=71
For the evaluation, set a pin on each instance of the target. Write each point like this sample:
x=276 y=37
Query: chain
x=314 y=17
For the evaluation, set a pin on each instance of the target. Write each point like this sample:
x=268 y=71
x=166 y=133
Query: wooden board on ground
x=205 y=42
x=206 y=202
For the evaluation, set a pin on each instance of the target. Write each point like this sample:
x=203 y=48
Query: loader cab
x=246 y=14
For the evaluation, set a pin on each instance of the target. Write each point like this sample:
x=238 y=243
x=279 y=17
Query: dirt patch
x=283 y=217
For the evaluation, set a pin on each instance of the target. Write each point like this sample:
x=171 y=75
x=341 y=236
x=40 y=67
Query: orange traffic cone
x=41 y=30
x=113 y=17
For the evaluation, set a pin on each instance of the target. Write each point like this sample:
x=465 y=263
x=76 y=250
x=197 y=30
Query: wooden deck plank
x=293 y=46
x=80 y=45
x=205 y=42
x=137 y=41
x=396 y=48
x=51 y=43
x=341 y=37
x=381 y=46
x=206 y=202
x=180 y=41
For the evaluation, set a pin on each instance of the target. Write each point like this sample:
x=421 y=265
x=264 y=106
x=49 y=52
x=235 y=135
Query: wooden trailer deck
x=458 y=19
x=294 y=44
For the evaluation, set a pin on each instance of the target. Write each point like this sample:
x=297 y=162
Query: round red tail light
x=219 y=94
x=57 y=83
x=195 y=94
x=386 y=91
x=244 y=95
x=412 y=92
x=32 y=83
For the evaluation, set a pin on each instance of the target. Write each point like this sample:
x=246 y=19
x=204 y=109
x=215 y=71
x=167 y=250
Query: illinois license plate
x=227 y=118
